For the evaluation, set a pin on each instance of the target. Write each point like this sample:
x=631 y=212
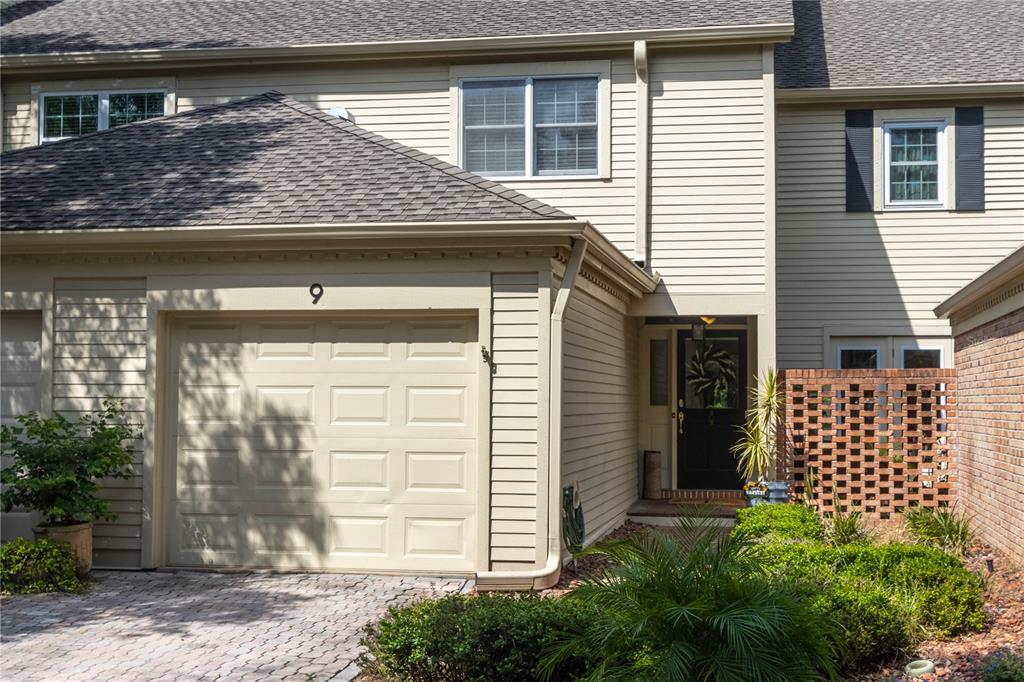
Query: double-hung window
x=530 y=127
x=915 y=164
x=63 y=115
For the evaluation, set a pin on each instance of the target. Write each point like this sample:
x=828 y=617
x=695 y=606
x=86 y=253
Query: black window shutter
x=970 y=158
x=860 y=186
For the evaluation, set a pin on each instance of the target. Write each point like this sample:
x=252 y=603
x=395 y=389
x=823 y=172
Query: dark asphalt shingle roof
x=263 y=160
x=845 y=43
x=46 y=26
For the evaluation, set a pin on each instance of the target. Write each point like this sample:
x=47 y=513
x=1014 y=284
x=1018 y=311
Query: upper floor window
x=530 y=127
x=915 y=164
x=66 y=115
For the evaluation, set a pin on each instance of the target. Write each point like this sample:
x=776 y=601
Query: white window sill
x=921 y=208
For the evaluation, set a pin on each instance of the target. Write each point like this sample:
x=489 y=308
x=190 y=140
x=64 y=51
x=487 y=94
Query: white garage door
x=333 y=443
x=20 y=372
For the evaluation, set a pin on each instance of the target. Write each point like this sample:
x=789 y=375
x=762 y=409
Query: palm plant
x=693 y=604
x=757 y=450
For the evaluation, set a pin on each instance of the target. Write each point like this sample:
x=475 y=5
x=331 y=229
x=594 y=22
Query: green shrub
x=471 y=638
x=1003 y=666
x=793 y=521
x=28 y=566
x=944 y=528
x=694 y=604
x=885 y=598
x=56 y=464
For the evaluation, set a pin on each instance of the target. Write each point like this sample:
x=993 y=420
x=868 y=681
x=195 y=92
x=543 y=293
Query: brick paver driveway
x=201 y=626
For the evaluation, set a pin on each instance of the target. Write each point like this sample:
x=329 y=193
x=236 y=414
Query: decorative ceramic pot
x=756 y=496
x=77 y=537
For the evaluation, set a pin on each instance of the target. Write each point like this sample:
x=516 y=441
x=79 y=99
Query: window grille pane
x=858 y=358
x=913 y=164
x=495 y=151
x=565 y=100
x=494 y=127
x=131 y=107
x=70 y=115
x=659 y=372
x=566 y=150
x=922 y=358
x=494 y=103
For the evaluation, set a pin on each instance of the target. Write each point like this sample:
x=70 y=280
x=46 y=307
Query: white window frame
x=102 y=109
x=941 y=141
x=858 y=346
x=916 y=345
x=529 y=126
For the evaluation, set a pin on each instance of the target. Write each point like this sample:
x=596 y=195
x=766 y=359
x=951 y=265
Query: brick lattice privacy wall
x=990 y=446
x=878 y=441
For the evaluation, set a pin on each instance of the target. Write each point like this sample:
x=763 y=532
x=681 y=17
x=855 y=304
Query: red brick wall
x=878 y=441
x=990 y=451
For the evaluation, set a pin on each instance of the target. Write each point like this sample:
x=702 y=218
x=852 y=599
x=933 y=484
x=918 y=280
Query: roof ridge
x=154 y=120
x=344 y=125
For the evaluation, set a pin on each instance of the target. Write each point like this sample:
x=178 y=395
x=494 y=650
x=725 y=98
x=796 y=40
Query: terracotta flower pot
x=77 y=537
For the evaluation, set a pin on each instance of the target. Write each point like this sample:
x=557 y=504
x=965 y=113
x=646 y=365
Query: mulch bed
x=592 y=565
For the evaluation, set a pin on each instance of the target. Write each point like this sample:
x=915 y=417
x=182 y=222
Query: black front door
x=711 y=401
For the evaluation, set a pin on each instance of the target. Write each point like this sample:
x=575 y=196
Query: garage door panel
x=341 y=444
x=20 y=393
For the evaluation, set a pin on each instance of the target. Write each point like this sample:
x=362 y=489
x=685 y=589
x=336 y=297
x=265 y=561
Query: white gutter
x=396 y=49
x=547 y=576
x=899 y=92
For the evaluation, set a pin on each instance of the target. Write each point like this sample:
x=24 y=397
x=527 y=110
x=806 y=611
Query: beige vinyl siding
x=707 y=174
x=884 y=271
x=18 y=130
x=515 y=393
x=600 y=419
x=99 y=350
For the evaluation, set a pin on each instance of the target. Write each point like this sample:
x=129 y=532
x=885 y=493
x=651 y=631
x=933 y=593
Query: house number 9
x=316 y=290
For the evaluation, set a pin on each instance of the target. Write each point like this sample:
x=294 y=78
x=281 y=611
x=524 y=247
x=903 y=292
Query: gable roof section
x=868 y=43
x=68 y=26
x=266 y=160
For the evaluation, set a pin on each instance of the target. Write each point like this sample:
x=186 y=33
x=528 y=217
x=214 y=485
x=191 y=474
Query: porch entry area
x=695 y=377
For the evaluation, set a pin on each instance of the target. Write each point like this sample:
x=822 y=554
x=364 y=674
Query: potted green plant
x=757 y=450
x=55 y=468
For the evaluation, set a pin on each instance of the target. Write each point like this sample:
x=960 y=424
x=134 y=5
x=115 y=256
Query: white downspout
x=643 y=138
x=547 y=576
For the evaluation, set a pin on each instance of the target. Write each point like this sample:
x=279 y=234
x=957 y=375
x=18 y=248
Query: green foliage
x=482 y=638
x=1003 y=666
x=56 y=463
x=846 y=527
x=29 y=566
x=693 y=604
x=944 y=528
x=793 y=521
x=757 y=449
x=885 y=598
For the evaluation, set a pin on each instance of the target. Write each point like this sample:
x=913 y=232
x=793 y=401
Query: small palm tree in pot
x=757 y=450
x=55 y=469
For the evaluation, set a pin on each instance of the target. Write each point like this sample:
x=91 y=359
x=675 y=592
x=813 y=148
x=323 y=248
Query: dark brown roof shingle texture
x=848 y=43
x=263 y=160
x=45 y=26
